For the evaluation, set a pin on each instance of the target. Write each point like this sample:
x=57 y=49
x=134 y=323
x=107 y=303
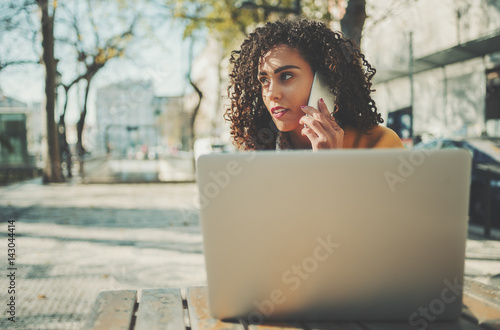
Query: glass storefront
x=13 y=141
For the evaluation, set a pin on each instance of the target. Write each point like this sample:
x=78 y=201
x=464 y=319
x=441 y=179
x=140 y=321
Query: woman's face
x=286 y=80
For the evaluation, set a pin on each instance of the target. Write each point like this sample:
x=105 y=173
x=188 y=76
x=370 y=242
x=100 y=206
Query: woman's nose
x=274 y=91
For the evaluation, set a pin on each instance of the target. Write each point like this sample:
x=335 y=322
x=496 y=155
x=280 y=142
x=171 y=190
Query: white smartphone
x=320 y=89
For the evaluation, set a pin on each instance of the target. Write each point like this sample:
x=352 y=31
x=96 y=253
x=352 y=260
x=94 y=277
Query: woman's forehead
x=280 y=54
x=279 y=50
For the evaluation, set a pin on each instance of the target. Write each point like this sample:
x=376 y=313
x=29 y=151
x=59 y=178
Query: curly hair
x=345 y=69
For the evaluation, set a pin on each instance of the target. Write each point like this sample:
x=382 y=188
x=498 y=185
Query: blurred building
x=20 y=132
x=173 y=121
x=126 y=121
x=134 y=123
x=438 y=66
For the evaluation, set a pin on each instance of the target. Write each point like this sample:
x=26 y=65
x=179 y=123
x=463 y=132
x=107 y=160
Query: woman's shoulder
x=386 y=138
x=377 y=137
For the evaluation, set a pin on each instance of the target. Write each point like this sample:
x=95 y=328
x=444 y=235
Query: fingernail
x=302 y=106
x=321 y=99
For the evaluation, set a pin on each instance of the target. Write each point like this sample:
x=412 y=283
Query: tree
x=93 y=56
x=95 y=61
x=196 y=109
x=94 y=46
x=14 y=22
x=52 y=171
x=353 y=21
x=65 y=151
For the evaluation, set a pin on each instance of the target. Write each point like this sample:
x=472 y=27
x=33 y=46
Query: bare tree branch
x=10 y=63
x=92 y=23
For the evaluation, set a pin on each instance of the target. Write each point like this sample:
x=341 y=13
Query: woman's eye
x=286 y=76
x=263 y=80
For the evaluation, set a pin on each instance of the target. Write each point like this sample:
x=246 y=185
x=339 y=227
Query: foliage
x=231 y=20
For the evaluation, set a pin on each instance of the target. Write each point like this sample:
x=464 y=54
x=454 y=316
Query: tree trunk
x=192 y=134
x=353 y=21
x=196 y=109
x=79 y=127
x=65 y=151
x=52 y=171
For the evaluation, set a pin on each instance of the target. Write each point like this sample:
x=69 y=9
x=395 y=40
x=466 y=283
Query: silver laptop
x=335 y=235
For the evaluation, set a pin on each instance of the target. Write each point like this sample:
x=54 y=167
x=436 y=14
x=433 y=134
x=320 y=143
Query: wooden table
x=186 y=309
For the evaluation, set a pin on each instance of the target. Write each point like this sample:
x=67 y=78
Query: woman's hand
x=321 y=128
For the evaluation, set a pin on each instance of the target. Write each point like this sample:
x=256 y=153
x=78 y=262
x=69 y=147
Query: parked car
x=485 y=176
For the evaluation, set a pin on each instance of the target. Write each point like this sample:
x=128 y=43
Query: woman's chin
x=286 y=127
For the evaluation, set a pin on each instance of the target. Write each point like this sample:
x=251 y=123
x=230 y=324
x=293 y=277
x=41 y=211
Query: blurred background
x=132 y=90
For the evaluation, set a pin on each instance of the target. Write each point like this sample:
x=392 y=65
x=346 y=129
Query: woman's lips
x=278 y=112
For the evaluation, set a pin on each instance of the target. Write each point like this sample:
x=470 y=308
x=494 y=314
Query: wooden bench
x=174 y=308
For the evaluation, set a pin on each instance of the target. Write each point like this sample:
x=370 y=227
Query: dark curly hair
x=345 y=69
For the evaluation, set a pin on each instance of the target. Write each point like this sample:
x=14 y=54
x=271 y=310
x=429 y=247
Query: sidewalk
x=74 y=240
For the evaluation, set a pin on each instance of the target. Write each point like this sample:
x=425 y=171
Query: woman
x=270 y=84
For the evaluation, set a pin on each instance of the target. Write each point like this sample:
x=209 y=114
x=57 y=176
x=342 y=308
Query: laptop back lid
x=334 y=235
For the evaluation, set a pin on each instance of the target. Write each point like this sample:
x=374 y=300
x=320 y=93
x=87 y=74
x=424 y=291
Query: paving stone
x=75 y=240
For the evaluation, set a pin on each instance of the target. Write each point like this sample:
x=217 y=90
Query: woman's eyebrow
x=286 y=67
x=278 y=70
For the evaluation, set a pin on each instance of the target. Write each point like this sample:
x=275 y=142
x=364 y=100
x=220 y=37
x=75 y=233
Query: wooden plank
x=199 y=315
x=160 y=309
x=481 y=295
x=482 y=300
x=113 y=310
x=389 y=326
x=490 y=325
x=275 y=326
x=334 y=326
x=460 y=324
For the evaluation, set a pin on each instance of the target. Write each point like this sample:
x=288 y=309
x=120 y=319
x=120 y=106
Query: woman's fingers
x=308 y=110
x=321 y=128
x=320 y=119
x=325 y=111
x=315 y=123
x=323 y=108
x=306 y=131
